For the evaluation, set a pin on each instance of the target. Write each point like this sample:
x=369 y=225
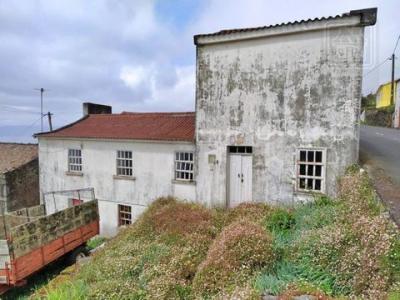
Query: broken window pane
x=318 y=156
x=317 y=184
x=303 y=155
x=302 y=169
x=302 y=183
x=318 y=171
x=310 y=156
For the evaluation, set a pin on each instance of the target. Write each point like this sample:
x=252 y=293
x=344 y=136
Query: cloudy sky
x=138 y=55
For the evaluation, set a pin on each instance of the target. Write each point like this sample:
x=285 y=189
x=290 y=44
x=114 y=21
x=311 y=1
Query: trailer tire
x=76 y=255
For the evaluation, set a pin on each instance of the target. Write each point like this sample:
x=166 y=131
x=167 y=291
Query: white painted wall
x=153 y=168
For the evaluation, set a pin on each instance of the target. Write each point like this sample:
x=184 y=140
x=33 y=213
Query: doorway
x=240 y=172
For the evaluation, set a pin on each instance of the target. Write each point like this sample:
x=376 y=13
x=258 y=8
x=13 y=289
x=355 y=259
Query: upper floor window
x=74 y=160
x=184 y=166
x=310 y=175
x=124 y=163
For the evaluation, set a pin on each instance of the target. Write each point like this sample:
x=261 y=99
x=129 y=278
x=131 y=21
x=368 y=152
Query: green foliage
x=280 y=220
x=68 y=290
x=95 y=242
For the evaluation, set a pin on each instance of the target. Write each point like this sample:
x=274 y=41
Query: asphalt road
x=382 y=146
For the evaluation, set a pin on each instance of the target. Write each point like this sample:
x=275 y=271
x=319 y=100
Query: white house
x=129 y=159
x=277 y=120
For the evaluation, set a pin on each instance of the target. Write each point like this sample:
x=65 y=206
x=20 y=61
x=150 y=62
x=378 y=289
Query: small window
x=74 y=160
x=124 y=163
x=240 y=149
x=124 y=215
x=184 y=166
x=311 y=170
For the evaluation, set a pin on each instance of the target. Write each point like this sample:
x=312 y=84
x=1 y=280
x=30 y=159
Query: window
x=124 y=215
x=184 y=166
x=124 y=163
x=311 y=170
x=75 y=160
x=240 y=149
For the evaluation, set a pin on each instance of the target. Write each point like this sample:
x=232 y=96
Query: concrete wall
x=153 y=169
x=278 y=93
x=23 y=186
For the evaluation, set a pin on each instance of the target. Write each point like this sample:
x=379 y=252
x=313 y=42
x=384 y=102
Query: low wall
x=32 y=235
x=18 y=217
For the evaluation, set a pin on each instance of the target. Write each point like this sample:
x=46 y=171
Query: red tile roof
x=136 y=126
x=14 y=155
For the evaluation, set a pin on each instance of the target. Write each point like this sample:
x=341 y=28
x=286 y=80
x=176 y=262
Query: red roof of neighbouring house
x=14 y=155
x=177 y=126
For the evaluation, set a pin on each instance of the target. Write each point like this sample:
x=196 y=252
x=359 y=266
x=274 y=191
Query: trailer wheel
x=77 y=255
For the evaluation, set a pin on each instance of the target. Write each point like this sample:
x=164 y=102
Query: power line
x=397 y=42
x=376 y=67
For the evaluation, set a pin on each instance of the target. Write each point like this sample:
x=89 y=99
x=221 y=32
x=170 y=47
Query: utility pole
x=392 y=85
x=49 y=118
x=42 y=90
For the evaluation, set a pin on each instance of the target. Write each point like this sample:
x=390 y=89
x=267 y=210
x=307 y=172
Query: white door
x=240 y=179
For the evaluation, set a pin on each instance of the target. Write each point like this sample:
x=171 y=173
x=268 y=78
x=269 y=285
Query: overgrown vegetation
x=328 y=248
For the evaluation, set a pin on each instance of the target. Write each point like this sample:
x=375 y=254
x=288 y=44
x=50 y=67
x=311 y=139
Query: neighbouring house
x=19 y=176
x=384 y=99
x=128 y=158
x=276 y=120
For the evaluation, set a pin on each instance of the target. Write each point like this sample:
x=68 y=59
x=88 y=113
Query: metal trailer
x=30 y=239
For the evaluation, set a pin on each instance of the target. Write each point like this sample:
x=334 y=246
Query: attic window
x=124 y=163
x=74 y=160
x=310 y=175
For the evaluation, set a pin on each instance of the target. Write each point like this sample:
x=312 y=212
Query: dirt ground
x=387 y=189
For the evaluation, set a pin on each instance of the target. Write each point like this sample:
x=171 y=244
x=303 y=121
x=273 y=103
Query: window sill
x=309 y=193
x=192 y=182
x=124 y=177
x=69 y=173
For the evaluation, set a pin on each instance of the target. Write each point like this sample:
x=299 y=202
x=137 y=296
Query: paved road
x=382 y=146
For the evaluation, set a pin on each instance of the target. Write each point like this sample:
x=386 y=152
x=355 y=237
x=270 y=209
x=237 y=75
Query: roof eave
x=363 y=17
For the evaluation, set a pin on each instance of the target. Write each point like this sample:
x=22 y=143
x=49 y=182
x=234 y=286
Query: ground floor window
x=310 y=165
x=124 y=215
x=184 y=166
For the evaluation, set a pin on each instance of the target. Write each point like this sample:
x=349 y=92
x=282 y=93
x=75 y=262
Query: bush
x=280 y=220
x=238 y=252
x=254 y=212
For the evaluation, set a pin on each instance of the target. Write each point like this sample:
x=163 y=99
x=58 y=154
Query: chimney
x=94 y=108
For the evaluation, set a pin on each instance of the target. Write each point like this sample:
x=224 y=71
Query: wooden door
x=240 y=179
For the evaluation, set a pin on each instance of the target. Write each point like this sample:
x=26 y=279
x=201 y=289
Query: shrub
x=254 y=212
x=280 y=220
x=169 y=216
x=238 y=252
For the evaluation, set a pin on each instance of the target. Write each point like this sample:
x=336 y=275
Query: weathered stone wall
x=278 y=93
x=23 y=186
x=29 y=236
x=19 y=217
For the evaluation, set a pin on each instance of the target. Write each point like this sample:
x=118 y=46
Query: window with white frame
x=124 y=215
x=124 y=163
x=184 y=166
x=311 y=164
x=75 y=160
